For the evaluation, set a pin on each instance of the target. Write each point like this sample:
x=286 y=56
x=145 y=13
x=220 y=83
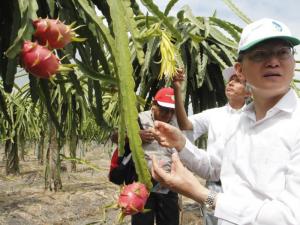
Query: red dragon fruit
x=54 y=33
x=40 y=61
x=132 y=199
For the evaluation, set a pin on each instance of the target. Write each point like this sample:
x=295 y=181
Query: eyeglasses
x=282 y=53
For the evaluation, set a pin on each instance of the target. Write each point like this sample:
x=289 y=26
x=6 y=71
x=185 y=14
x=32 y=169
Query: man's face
x=268 y=67
x=235 y=88
x=163 y=114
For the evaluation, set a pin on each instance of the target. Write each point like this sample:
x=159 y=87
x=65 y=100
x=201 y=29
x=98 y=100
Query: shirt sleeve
x=204 y=164
x=281 y=209
x=200 y=123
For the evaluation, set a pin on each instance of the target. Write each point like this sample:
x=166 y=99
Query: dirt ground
x=82 y=201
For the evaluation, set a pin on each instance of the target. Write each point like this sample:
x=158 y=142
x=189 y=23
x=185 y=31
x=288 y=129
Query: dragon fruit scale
x=54 y=33
x=39 y=60
x=133 y=198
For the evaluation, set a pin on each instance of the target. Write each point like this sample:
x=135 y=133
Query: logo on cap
x=277 y=26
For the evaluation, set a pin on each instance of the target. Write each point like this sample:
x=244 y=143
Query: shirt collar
x=232 y=110
x=287 y=103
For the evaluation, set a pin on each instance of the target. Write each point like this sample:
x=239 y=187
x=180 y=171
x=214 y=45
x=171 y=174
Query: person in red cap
x=162 y=203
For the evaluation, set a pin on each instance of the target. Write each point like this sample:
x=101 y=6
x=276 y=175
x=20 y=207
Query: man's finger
x=176 y=161
x=158 y=173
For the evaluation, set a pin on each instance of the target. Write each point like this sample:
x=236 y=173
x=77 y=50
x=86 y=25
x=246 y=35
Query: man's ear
x=239 y=71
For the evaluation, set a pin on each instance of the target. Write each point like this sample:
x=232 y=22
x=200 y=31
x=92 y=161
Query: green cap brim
x=294 y=41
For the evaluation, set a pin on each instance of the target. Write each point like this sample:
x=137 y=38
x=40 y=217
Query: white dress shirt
x=259 y=166
x=215 y=121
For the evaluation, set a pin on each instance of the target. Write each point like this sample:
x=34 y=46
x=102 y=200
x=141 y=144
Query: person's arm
x=181 y=115
x=197 y=160
x=179 y=180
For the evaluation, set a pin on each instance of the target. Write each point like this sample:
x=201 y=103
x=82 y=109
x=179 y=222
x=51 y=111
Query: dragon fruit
x=54 y=33
x=133 y=198
x=39 y=60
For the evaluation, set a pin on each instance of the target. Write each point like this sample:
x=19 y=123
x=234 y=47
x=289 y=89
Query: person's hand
x=180 y=180
x=178 y=78
x=168 y=135
x=147 y=136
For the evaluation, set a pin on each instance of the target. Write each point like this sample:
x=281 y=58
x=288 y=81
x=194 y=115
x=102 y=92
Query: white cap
x=227 y=73
x=262 y=30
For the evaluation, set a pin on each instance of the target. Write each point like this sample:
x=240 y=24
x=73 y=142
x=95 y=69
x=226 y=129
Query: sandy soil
x=82 y=201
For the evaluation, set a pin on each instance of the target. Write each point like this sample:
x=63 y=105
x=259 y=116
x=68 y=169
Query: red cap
x=165 y=97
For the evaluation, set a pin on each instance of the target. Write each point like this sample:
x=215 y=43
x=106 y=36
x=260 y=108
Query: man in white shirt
x=213 y=121
x=259 y=160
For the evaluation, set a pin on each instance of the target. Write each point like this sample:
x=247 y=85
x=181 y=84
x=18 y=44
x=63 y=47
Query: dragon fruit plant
x=54 y=33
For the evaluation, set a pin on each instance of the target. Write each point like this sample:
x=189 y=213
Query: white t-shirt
x=259 y=166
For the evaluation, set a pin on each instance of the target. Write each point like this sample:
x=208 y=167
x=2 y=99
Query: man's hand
x=180 y=180
x=168 y=135
x=147 y=136
x=178 y=78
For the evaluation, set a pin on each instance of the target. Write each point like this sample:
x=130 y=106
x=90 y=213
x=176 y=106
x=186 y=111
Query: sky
x=286 y=11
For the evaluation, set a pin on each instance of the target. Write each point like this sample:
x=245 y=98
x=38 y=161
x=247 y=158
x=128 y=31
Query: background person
x=162 y=203
x=259 y=166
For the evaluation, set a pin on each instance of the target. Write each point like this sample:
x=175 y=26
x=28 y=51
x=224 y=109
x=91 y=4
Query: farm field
x=82 y=201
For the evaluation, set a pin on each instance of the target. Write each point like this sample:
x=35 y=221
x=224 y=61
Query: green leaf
x=127 y=94
x=237 y=11
x=189 y=15
x=48 y=100
x=202 y=61
x=4 y=108
x=232 y=29
x=25 y=31
x=98 y=21
x=221 y=38
x=135 y=32
x=207 y=27
x=89 y=72
x=11 y=71
x=165 y=20
x=152 y=47
x=231 y=57
x=51 y=4
x=214 y=55
x=169 y=6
